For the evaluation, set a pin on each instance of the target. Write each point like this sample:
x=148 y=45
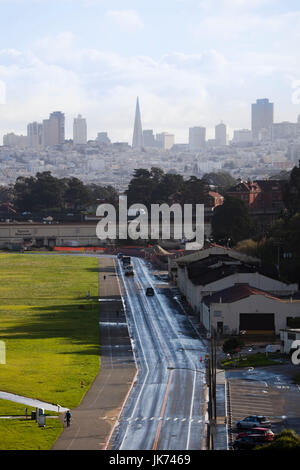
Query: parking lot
x=266 y=393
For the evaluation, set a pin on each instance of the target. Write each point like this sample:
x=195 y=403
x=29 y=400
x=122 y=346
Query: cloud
x=127 y=20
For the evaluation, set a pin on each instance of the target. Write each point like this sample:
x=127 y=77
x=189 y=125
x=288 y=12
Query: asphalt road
x=166 y=407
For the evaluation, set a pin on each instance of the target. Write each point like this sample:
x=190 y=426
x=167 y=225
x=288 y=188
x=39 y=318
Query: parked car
x=253 y=422
x=265 y=432
x=120 y=255
x=149 y=291
x=248 y=442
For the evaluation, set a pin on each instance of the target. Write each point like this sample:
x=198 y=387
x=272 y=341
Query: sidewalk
x=94 y=419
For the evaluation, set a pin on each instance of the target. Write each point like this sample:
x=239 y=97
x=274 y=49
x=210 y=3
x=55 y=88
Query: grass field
x=252 y=360
x=50 y=330
x=27 y=435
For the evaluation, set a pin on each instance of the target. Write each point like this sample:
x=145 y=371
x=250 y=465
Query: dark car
x=249 y=442
x=253 y=422
x=120 y=255
x=149 y=291
x=264 y=432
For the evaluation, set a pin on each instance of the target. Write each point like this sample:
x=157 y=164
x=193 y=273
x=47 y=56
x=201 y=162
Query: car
x=149 y=291
x=248 y=442
x=253 y=422
x=265 y=432
x=129 y=270
x=120 y=255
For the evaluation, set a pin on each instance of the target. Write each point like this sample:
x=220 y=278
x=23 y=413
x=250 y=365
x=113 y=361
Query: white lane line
x=191 y=412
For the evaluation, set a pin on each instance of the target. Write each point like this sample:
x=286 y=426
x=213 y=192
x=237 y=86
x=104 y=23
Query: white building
x=165 y=140
x=221 y=134
x=242 y=308
x=79 y=131
x=287 y=337
x=197 y=137
x=242 y=136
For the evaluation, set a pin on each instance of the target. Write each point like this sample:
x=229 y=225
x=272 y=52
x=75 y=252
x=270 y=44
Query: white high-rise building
x=165 y=140
x=197 y=136
x=54 y=129
x=221 y=134
x=79 y=131
x=262 y=117
x=34 y=134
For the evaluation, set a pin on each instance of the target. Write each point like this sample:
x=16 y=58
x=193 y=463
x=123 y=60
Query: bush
x=286 y=440
x=231 y=344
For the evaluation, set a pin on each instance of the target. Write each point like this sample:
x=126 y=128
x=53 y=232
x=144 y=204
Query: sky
x=191 y=62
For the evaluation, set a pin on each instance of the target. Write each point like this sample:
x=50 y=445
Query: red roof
x=236 y=293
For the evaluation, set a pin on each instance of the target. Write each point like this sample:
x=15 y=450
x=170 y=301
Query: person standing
x=68 y=418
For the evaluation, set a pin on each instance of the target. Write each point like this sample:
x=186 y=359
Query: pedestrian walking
x=68 y=418
x=104 y=277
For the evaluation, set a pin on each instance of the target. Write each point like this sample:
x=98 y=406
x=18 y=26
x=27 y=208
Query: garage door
x=255 y=322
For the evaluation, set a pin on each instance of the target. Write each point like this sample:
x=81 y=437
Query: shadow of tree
x=76 y=323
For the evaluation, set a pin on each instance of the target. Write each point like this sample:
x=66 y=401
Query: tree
x=141 y=187
x=104 y=194
x=194 y=191
x=231 y=221
x=286 y=440
x=222 y=180
x=77 y=195
x=291 y=192
x=231 y=344
x=43 y=191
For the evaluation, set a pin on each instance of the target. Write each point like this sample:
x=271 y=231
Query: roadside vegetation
x=51 y=333
x=286 y=440
x=252 y=360
x=20 y=434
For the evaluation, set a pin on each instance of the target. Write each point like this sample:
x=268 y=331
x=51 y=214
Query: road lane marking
x=163 y=410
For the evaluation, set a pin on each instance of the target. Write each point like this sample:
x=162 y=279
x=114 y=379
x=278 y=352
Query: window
x=292 y=336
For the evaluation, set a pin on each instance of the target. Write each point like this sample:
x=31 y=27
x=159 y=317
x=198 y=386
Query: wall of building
x=229 y=313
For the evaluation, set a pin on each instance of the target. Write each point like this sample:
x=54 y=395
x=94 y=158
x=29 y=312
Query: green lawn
x=50 y=330
x=252 y=360
x=19 y=434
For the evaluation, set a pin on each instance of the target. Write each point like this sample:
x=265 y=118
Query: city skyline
x=261 y=114
x=193 y=64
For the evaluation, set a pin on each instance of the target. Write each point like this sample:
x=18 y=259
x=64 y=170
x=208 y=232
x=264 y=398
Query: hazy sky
x=192 y=62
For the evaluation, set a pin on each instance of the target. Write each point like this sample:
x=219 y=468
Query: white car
x=253 y=421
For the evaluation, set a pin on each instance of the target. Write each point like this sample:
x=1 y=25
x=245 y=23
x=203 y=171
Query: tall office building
x=165 y=141
x=35 y=134
x=262 y=117
x=197 y=137
x=79 y=131
x=54 y=129
x=137 y=141
x=221 y=134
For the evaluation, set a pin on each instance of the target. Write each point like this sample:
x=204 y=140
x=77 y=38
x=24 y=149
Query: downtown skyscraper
x=137 y=141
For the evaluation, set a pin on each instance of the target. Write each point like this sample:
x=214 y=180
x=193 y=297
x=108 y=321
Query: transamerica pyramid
x=137 y=141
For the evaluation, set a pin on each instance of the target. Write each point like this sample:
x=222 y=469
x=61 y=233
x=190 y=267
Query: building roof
x=202 y=274
x=239 y=292
x=214 y=249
